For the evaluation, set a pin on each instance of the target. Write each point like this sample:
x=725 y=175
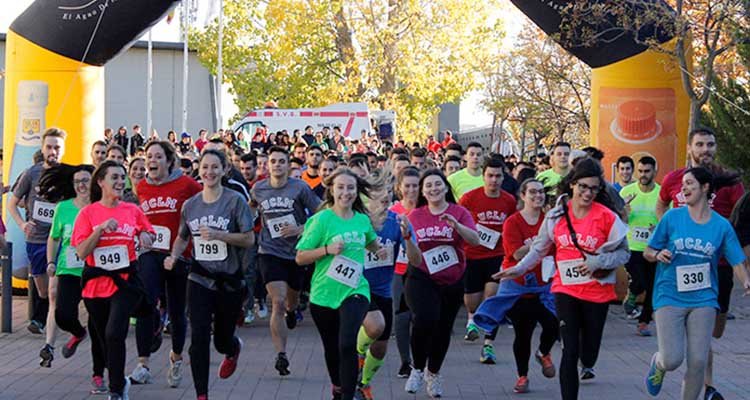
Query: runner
x=434 y=288
x=98 y=152
x=103 y=236
x=393 y=233
x=625 y=167
x=489 y=205
x=451 y=165
x=282 y=204
x=161 y=195
x=36 y=225
x=641 y=198
x=407 y=191
x=560 y=166
x=687 y=245
x=590 y=242
x=136 y=173
x=117 y=153
x=311 y=176
x=219 y=224
x=701 y=151
x=335 y=239
x=470 y=177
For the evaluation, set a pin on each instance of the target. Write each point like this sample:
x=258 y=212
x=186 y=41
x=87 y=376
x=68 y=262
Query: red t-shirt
x=200 y=143
x=592 y=232
x=722 y=201
x=516 y=233
x=130 y=222
x=162 y=205
x=489 y=214
x=442 y=247
x=401 y=266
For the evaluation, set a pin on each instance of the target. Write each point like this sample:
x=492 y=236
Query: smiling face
x=211 y=170
x=409 y=188
x=693 y=191
x=533 y=196
x=113 y=183
x=137 y=172
x=326 y=169
x=157 y=163
x=585 y=190
x=81 y=183
x=625 y=171
x=434 y=189
x=53 y=149
x=116 y=155
x=344 y=190
x=560 y=156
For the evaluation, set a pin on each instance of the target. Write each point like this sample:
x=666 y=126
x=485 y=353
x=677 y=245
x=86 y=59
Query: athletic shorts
x=37 y=253
x=385 y=305
x=274 y=269
x=479 y=272
x=726 y=283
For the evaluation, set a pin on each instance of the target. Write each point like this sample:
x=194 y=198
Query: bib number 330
x=693 y=277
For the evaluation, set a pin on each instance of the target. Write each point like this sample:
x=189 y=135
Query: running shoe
x=35 y=327
x=174 y=375
x=655 y=378
x=712 y=394
x=72 y=345
x=229 y=364
x=97 y=385
x=472 y=332
x=249 y=317
x=522 y=385
x=262 y=310
x=47 y=354
x=643 y=329
x=364 y=392
x=202 y=397
x=548 y=367
x=291 y=319
x=415 y=381
x=141 y=375
x=629 y=305
x=282 y=364
x=434 y=384
x=404 y=371
x=488 y=355
x=587 y=374
x=124 y=395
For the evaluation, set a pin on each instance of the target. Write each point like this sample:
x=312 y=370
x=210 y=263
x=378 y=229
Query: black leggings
x=338 y=330
x=525 y=314
x=581 y=328
x=221 y=307
x=642 y=275
x=66 y=317
x=155 y=278
x=110 y=317
x=434 y=310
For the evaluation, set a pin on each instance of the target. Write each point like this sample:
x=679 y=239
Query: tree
x=713 y=26
x=406 y=55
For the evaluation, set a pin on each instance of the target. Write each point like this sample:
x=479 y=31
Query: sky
x=471 y=113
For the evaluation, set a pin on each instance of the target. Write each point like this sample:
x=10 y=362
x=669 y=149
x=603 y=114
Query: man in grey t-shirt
x=283 y=204
x=37 y=223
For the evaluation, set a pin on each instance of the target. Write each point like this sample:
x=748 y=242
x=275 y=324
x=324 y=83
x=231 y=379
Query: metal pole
x=149 y=88
x=7 y=289
x=185 y=22
x=220 y=64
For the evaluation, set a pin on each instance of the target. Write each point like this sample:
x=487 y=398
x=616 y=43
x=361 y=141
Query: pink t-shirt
x=443 y=257
x=592 y=232
x=130 y=222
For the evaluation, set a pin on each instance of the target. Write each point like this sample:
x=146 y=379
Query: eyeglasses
x=81 y=181
x=584 y=187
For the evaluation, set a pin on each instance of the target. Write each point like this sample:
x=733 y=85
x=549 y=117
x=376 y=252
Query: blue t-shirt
x=379 y=273
x=696 y=250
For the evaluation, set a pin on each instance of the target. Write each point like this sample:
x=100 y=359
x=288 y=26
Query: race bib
x=570 y=272
x=402 y=258
x=372 y=260
x=209 y=250
x=43 y=211
x=641 y=235
x=111 y=258
x=345 y=270
x=487 y=237
x=275 y=224
x=71 y=259
x=693 y=277
x=440 y=258
x=163 y=237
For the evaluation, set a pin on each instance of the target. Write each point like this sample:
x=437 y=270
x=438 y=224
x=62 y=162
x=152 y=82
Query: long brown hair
x=363 y=187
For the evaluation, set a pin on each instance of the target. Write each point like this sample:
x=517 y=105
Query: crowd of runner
x=377 y=239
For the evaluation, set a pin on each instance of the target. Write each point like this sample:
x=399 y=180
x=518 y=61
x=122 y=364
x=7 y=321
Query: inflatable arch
x=55 y=53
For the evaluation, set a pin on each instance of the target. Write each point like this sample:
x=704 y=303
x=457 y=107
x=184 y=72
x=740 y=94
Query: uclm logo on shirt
x=695 y=244
x=210 y=221
x=435 y=232
x=274 y=203
x=159 y=202
x=588 y=242
x=492 y=216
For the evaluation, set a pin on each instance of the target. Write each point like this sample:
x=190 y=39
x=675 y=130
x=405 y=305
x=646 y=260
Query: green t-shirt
x=462 y=182
x=62 y=229
x=332 y=282
x=642 y=218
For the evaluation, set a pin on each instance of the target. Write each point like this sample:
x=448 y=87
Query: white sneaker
x=434 y=384
x=140 y=375
x=249 y=317
x=174 y=374
x=262 y=311
x=415 y=382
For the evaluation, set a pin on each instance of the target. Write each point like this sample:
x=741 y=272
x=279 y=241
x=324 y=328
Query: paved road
x=620 y=369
